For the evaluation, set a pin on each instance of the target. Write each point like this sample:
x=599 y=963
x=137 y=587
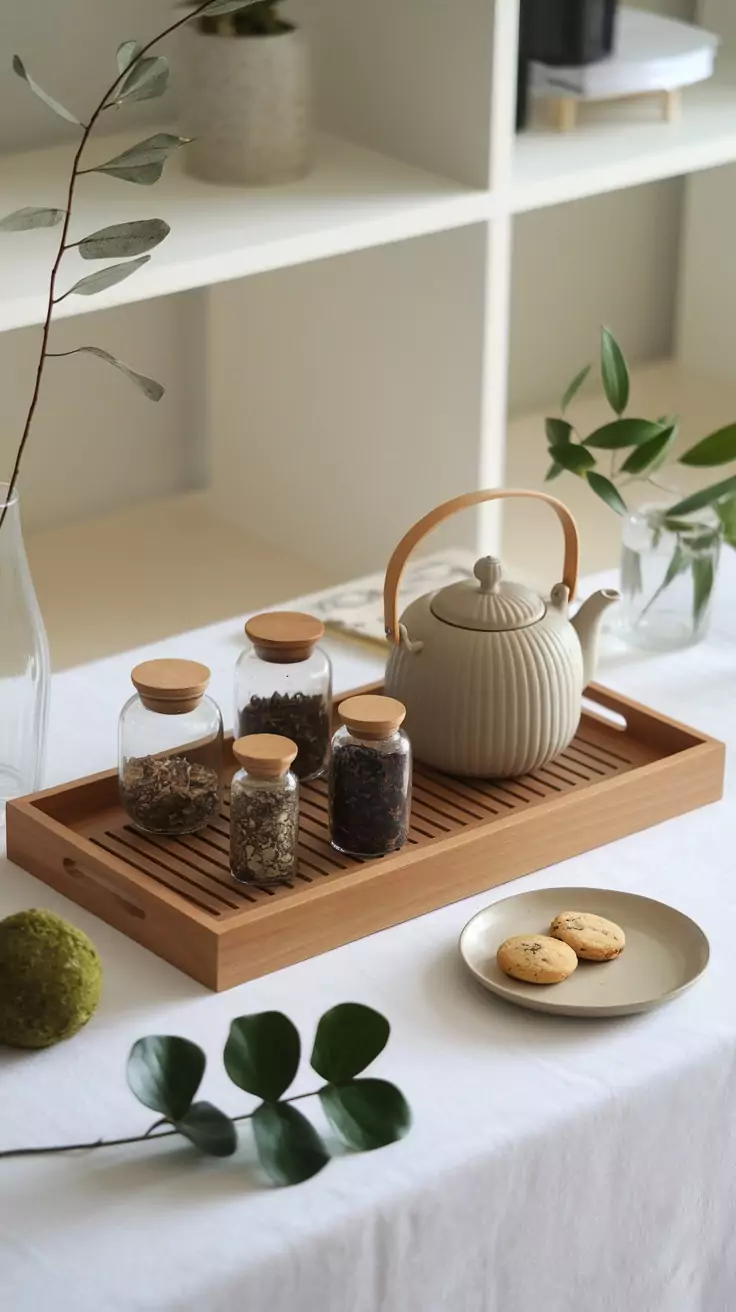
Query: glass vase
x=668 y=569
x=24 y=664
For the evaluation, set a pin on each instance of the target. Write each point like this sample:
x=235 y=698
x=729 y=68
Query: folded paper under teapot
x=491 y=674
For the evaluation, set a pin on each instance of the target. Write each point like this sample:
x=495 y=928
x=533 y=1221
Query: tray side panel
x=471 y=862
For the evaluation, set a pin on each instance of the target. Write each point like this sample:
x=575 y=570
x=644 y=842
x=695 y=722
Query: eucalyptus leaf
x=127 y=53
x=225 y=7
x=678 y=565
x=614 y=372
x=31 y=216
x=367 y=1114
x=717 y=449
x=726 y=512
x=349 y=1037
x=574 y=388
x=262 y=1054
x=209 y=1129
x=104 y=278
x=576 y=459
x=557 y=430
x=164 y=1073
x=623 y=433
x=150 y=388
x=131 y=238
x=608 y=492
x=20 y=68
x=703 y=579
x=143 y=163
x=554 y=471
x=289 y=1148
x=649 y=456
x=708 y=496
x=147 y=79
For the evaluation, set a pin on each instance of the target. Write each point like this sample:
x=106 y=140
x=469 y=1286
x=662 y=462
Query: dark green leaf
x=703 y=578
x=262 y=1054
x=20 y=69
x=647 y=457
x=209 y=1129
x=717 y=449
x=150 y=388
x=164 y=1073
x=224 y=6
x=557 y=430
x=572 y=457
x=554 y=471
x=31 y=216
x=678 y=565
x=289 y=1148
x=671 y=525
x=707 y=497
x=104 y=278
x=574 y=388
x=622 y=433
x=608 y=492
x=349 y=1037
x=147 y=79
x=143 y=163
x=366 y=1113
x=614 y=373
x=726 y=512
x=123 y=239
x=127 y=52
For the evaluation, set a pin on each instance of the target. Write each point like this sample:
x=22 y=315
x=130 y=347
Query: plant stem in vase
x=668 y=568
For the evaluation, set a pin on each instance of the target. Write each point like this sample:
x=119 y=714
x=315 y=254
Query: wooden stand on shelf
x=562 y=111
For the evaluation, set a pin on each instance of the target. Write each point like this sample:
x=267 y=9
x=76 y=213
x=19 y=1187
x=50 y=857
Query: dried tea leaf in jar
x=170 y=749
x=370 y=778
x=283 y=686
x=264 y=811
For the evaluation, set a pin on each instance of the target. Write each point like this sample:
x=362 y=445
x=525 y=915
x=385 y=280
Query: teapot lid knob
x=488 y=572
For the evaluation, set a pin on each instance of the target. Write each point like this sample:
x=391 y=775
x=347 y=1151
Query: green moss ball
x=50 y=979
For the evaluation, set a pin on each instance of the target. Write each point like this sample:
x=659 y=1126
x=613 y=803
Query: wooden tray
x=176 y=896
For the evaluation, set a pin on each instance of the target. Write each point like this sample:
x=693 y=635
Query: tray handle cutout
x=598 y=702
x=77 y=871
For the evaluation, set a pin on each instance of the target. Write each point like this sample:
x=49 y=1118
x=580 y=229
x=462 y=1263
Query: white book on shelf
x=651 y=53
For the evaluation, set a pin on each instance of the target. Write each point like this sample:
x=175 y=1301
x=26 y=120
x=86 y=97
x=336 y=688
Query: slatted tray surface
x=177 y=896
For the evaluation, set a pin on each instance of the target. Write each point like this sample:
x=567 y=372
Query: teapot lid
x=493 y=607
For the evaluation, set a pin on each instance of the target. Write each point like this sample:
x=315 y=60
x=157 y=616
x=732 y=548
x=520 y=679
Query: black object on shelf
x=562 y=32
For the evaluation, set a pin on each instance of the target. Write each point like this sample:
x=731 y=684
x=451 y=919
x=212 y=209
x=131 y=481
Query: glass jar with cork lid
x=264 y=811
x=370 y=778
x=283 y=686
x=170 y=749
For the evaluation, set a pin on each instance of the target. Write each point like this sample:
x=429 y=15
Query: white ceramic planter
x=246 y=101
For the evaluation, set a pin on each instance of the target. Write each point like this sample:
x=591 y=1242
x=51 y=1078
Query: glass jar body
x=170 y=766
x=293 y=699
x=668 y=568
x=369 y=793
x=264 y=829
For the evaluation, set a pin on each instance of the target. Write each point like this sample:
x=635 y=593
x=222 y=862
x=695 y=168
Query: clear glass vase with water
x=24 y=664
x=668 y=570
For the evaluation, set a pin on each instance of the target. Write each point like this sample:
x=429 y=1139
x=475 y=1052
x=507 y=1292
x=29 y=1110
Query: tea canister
x=264 y=811
x=170 y=749
x=283 y=686
x=370 y=778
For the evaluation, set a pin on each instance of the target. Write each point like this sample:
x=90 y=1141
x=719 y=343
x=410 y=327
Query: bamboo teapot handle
x=448 y=508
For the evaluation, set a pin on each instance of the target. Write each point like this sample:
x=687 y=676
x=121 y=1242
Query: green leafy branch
x=140 y=76
x=262 y=1057
x=638 y=449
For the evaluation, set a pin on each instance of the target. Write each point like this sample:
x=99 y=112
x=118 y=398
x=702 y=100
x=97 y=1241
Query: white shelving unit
x=363 y=374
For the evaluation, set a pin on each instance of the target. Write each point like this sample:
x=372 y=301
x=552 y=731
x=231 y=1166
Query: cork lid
x=265 y=755
x=371 y=716
x=284 y=636
x=171 y=687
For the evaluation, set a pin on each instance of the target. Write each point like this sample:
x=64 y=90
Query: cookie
x=591 y=937
x=536 y=959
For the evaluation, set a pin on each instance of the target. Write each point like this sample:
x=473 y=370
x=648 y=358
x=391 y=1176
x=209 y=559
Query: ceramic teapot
x=491 y=675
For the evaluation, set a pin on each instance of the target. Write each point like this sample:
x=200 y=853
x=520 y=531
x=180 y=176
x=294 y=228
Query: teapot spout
x=587 y=624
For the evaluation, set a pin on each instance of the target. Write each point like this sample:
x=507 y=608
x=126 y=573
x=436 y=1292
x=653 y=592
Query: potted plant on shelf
x=670 y=543
x=248 y=97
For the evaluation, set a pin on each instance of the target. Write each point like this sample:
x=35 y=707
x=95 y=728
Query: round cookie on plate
x=591 y=937
x=536 y=959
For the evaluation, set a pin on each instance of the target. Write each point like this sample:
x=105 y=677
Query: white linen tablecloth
x=553 y=1163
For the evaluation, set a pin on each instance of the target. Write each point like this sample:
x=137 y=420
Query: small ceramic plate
x=665 y=952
